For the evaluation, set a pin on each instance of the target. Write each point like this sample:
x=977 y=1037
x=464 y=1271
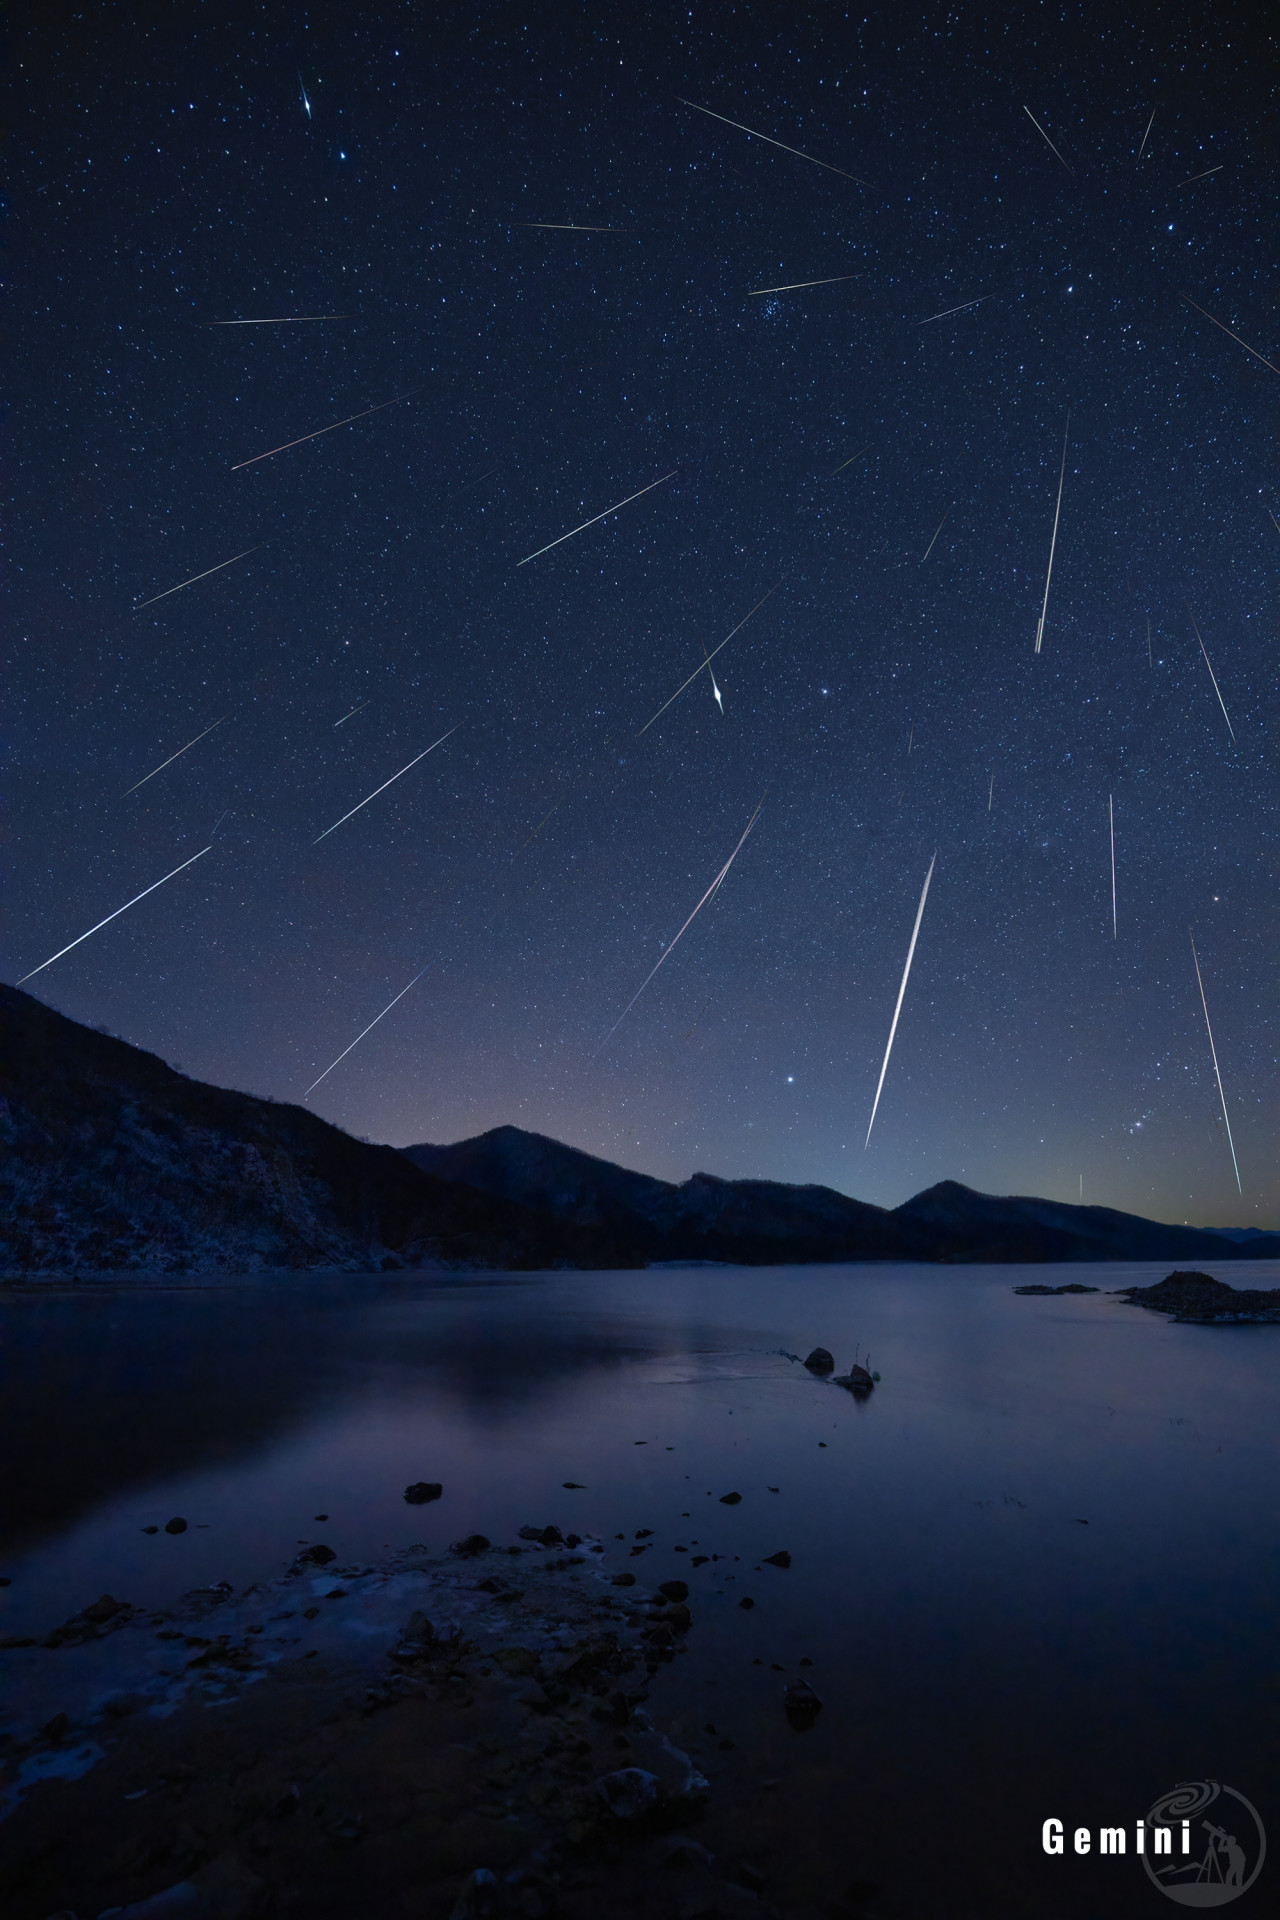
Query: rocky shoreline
x=458 y=1735
x=1197 y=1299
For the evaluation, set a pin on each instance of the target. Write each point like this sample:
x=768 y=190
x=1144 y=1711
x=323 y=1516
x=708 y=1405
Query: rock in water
x=471 y=1546
x=176 y=1525
x=801 y=1704
x=423 y=1490
x=820 y=1361
x=317 y=1556
x=675 y=1589
x=730 y=1499
x=782 y=1559
x=857 y=1380
x=629 y=1794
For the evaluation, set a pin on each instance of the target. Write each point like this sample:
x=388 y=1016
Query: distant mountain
x=109 y=1160
x=761 y=1222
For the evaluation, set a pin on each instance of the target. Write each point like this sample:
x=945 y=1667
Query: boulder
x=630 y=1794
x=801 y=1704
x=472 y=1545
x=857 y=1380
x=782 y=1559
x=674 y=1590
x=730 y=1499
x=317 y=1556
x=176 y=1525
x=820 y=1361
x=423 y=1490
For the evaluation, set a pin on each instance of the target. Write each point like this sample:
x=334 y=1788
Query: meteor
x=941 y=524
x=564 y=226
x=302 y=438
x=1048 y=142
x=708 y=659
x=948 y=311
x=599 y=516
x=541 y=824
x=849 y=462
x=360 y=1036
x=667 y=951
x=1213 y=676
x=991 y=792
x=1192 y=178
x=1111 y=815
x=705 y=1005
x=113 y=916
x=911 y=953
x=1151 y=122
x=139 y=605
x=711 y=670
x=355 y=710
x=169 y=762
x=795 y=285
x=306 y=103
x=1214 y=1052
x=288 y=320
x=1235 y=336
x=1053 y=543
x=386 y=783
x=756 y=135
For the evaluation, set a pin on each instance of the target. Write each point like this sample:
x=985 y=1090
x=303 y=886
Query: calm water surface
x=986 y=1658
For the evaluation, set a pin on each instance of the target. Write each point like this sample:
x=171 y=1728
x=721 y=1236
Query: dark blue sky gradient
x=167 y=175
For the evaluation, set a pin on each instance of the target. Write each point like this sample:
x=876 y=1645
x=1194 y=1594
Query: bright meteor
x=1057 y=514
x=707 y=659
x=667 y=951
x=1213 y=676
x=599 y=516
x=360 y=1036
x=757 y=135
x=386 y=783
x=169 y=762
x=113 y=916
x=285 y=446
x=1214 y=1052
x=139 y=605
x=911 y=954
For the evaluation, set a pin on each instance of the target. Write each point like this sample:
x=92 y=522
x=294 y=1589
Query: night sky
x=179 y=166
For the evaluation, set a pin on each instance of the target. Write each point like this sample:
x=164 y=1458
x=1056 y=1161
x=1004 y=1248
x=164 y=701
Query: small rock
x=545 y=1536
x=176 y=1525
x=54 y=1729
x=820 y=1361
x=857 y=1380
x=151 y=1529
x=674 y=1590
x=468 y=1548
x=419 y=1493
x=480 y=1897
x=746 y=1602
x=624 y=1580
x=730 y=1499
x=801 y=1704
x=782 y=1559
x=317 y=1556
x=574 y=1486
x=629 y=1794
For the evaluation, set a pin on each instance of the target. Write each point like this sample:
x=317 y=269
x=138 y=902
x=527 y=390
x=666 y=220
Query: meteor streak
x=1111 y=815
x=708 y=659
x=564 y=226
x=306 y=103
x=112 y=916
x=542 y=823
x=386 y=783
x=139 y=605
x=991 y=792
x=794 y=285
x=1151 y=122
x=948 y=311
x=599 y=516
x=1048 y=142
x=1235 y=336
x=1214 y=1051
x=355 y=710
x=848 y=463
x=667 y=951
x=1053 y=543
x=702 y=1010
x=1191 y=178
x=169 y=762
x=941 y=524
x=360 y=1036
x=711 y=670
x=911 y=954
x=284 y=448
x=288 y=320
x=1213 y=676
x=757 y=135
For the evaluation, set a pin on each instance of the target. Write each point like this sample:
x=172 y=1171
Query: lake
x=1035 y=1571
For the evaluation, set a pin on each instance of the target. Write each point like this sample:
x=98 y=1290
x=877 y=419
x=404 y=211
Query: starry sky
x=419 y=174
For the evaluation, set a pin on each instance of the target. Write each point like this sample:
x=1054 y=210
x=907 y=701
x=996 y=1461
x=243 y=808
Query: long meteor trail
x=386 y=783
x=757 y=135
x=911 y=954
x=140 y=604
x=169 y=762
x=667 y=951
x=1057 y=512
x=1213 y=676
x=285 y=445
x=1235 y=336
x=793 y=286
x=1048 y=142
x=707 y=659
x=941 y=524
x=360 y=1036
x=286 y=320
x=1111 y=815
x=598 y=516
x=948 y=311
x=1214 y=1052
x=113 y=916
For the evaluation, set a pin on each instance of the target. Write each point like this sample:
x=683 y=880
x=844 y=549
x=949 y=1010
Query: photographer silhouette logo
x=1234 y=1846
